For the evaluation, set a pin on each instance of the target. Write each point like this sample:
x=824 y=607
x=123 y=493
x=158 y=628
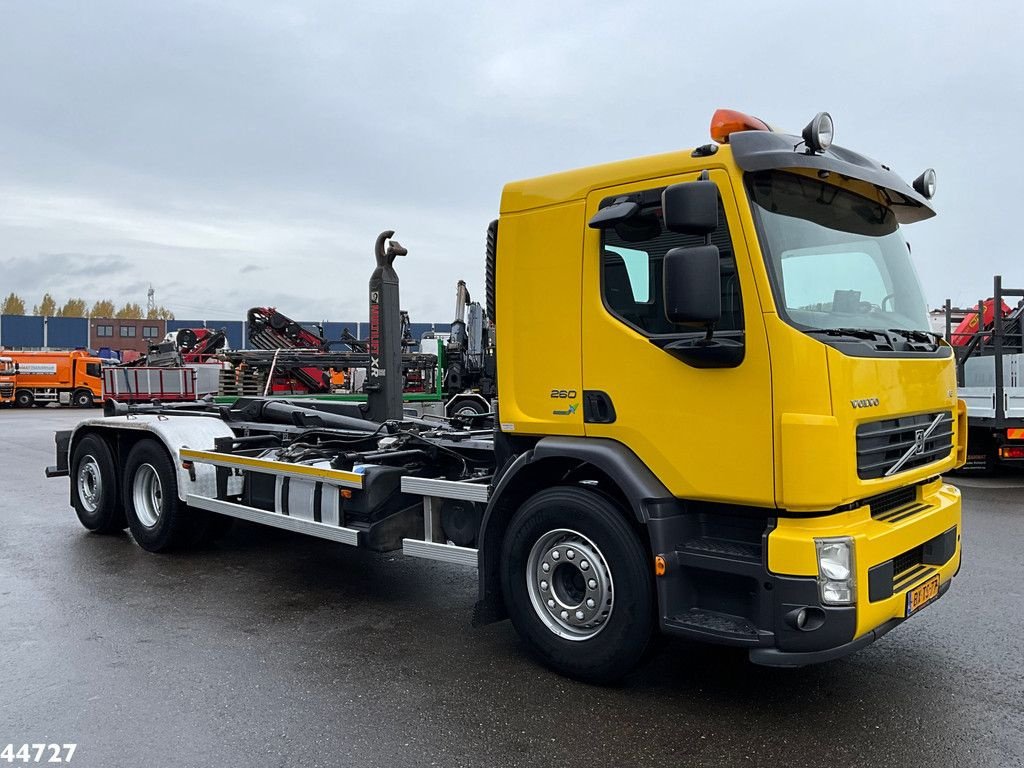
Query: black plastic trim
x=726 y=349
x=318 y=495
x=285 y=489
x=773 y=657
x=62 y=450
x=763 y=150
x=864 y=348
x=880 y=580
x=598 y=407
x=939 y=550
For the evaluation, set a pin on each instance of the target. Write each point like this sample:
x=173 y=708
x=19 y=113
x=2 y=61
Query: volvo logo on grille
x=920 y=440
x=869 y=402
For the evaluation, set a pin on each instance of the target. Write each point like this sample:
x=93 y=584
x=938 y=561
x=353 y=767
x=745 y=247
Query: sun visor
x=762 y=151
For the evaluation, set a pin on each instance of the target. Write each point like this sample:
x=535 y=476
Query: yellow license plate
x=920 y=596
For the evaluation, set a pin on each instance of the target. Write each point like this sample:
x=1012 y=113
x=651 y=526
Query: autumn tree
x=103 y=308
x=130 y=311
x=47 y=307
x=73 y=308
x=159 y=313
x=13 y=305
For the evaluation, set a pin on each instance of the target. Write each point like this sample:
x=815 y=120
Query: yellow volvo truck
x=720 y=414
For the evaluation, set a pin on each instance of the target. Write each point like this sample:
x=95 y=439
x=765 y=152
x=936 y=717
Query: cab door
x=706 y=432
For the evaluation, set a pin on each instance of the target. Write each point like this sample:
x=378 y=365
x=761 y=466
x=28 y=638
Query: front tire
x=158 y=520
x=578 y=584
x=82 y=399
x=94 y=478
x=24 y=398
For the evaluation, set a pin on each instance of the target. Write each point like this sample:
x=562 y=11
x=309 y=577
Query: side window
x=632 y=254
x=92 y=369
x=637 y=265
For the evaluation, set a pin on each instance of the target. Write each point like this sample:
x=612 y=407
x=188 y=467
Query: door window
x=632 y=255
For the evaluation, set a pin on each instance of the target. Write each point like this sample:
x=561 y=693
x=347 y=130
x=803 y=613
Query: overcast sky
x=240 y=153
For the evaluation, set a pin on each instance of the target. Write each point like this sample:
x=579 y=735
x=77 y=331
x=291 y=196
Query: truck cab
x=737 y=346
x=7 y=380
x=69 y=378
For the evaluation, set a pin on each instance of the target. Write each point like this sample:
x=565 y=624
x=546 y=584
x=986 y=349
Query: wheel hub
x=147 y=495
x=90 y=484
x=570 y=584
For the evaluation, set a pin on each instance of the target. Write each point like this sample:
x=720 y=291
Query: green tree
x=103 y=308
x=73 y=308
x=130 y=311
x=13 y=305
x=47 y=307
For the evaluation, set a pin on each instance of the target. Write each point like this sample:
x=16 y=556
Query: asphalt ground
x=271 y=649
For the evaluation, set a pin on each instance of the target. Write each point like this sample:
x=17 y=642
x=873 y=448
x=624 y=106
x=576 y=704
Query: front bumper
x=723 y=585
x=775 y=657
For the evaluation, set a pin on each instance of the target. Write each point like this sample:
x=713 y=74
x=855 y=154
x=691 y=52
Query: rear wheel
x=82 y=398
x=577 y=583
x=94 y=479
x=158 y=520
x=24 y=398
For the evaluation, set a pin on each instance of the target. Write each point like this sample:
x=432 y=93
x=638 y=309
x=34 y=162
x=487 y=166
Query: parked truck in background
x=6 y=380
x=989 y=347
x=69 y=378
x=720 y=414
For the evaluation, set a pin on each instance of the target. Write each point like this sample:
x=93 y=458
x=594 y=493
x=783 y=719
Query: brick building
x=117 y=334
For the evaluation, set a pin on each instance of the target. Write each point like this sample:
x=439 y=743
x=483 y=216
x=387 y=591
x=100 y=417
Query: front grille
x=884 y=502
x=882 y=444
x=6 y=389
x=908 y=559
x=912 y=567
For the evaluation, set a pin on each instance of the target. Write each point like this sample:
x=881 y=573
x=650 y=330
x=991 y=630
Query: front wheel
x=82 y=398
x=24 y=398
x=578 y=584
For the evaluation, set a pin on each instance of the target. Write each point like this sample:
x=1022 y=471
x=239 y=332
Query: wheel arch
x=172 y=434
x=611 y=466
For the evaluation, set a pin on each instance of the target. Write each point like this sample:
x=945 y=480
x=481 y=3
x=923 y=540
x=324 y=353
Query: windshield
x=837 y=260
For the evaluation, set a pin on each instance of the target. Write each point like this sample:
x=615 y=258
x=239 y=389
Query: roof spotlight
x=818 y=133
x=925 y=183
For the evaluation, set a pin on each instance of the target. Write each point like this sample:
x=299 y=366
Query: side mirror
x=691 y=208
x=693 y=284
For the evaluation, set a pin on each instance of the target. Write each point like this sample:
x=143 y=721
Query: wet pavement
x=270 y=649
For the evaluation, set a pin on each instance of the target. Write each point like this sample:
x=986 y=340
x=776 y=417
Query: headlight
x=925 y=184
x=819 y=132
x=837 y=581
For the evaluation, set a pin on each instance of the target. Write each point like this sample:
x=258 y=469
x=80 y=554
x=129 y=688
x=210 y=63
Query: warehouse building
x=35 y=332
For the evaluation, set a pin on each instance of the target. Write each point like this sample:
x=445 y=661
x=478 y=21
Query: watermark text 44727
x=37 y=753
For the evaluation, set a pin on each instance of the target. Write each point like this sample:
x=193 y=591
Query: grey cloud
x=232 y=150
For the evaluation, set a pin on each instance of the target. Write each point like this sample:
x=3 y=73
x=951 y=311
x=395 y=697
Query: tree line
x=75 y=307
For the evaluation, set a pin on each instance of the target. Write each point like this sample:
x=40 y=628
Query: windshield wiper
x=926 y=337
x=857 y=333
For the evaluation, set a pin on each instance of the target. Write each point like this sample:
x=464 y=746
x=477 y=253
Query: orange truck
x=69 y=378
x=6 y=380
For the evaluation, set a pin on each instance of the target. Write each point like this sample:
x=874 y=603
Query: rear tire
x=158 y=520
x=94 y=480
x=578 y=583
x=24 y=398
x=82 y=398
